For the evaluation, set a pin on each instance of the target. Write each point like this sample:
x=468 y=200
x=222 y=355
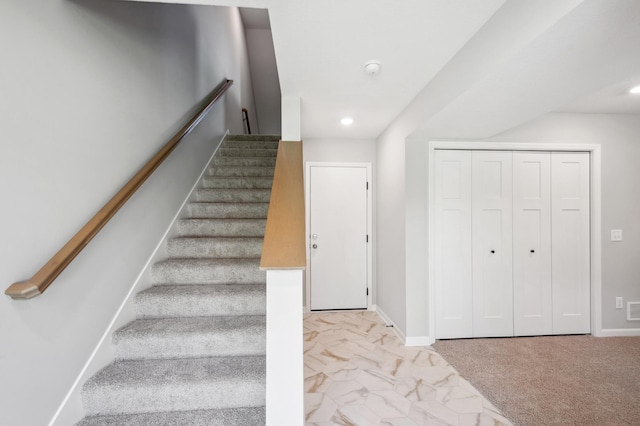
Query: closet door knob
x=533 y=251
x=493 y=251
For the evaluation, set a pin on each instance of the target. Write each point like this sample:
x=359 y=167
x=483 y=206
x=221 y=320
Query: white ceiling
x=454 y=68
x=614 y=99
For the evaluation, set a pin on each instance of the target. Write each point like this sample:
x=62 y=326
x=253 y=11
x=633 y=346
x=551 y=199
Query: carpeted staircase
x=196 y=354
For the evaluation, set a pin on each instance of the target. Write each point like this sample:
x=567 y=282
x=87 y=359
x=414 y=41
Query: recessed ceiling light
x=347 y=121
x=635 y=90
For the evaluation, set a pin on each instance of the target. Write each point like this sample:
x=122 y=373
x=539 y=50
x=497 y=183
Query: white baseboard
x=616 y=332
x=418 y=341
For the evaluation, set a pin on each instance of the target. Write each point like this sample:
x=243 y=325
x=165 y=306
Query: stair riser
x=221 y=228
x=225 y=171
x=228 y=210
x=237 y=182
x=206 y=274
x=226 y=342
x=220 y=161
x=233 y=195
x=175 y=397
x=239 y=152
x=200 y=301
x=212 y=247
x=255 y=416
x=269 y=138
x=250 y=145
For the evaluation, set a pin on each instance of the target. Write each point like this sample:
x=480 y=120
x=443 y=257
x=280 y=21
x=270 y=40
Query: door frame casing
x=595 y=229
x=307 y=195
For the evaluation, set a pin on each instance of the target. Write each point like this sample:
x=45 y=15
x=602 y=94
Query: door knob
x=533 y=251
x=315 y=246
x=493 y=251
x=314 y=236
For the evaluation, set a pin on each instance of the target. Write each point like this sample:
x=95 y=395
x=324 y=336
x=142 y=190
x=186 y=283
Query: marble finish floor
x=358 y=373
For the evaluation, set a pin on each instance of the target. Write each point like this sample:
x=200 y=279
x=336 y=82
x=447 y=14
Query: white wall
x=265 y=81
x=348 y=151
x=88 y=92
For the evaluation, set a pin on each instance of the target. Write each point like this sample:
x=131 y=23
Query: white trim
x=103 y=350
x=307 y=195
x=418 y=341
x=617 y=332
x=596 y=215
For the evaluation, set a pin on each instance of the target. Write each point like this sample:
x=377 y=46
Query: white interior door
x=532 y=302
x=338 y=230
x=454 y=303
x=570 y=242
x=491 y=202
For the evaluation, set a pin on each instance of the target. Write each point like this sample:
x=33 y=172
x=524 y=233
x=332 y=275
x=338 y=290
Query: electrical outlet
x=616 y=235
x=618 y=302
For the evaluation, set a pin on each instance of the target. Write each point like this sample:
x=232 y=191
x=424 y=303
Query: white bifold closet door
x=570 y=242
x=532 y=295
x=453 y=275
x=512 y=244
x=491 y=236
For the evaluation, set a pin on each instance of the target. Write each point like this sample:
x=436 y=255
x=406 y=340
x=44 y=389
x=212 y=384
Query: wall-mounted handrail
x=245 y=120
x=284 y=241
x=50 y=271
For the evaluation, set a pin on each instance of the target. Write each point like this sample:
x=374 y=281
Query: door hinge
x=367 y=185
x=367 y=291
x=367 y=237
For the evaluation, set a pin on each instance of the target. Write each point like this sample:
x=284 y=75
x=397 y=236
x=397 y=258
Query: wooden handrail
x=284 y=241
x=50 y=271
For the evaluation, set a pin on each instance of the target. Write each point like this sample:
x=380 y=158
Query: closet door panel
x=492 y=243
x=532 y=301
x=570 y=243
x=453 y=244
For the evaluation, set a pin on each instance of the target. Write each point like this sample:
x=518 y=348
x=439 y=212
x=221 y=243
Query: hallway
x=357 y=372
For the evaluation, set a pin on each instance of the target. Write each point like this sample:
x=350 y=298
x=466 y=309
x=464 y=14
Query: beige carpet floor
x=553 y=380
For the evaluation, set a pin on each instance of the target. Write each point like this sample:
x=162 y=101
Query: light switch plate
x=616 y=235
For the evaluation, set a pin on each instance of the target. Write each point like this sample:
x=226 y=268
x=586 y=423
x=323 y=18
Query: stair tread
x=201 y=290
x=191 y=337
x=222 y=239
x=221 y=227
x=162 y=372
x=188 y=326
x=212 y=261
x=182 y=270
x=215 y=247
x=245 y=416
x=201 y=299
x=241 y=137
x=220 y=210
x=138 y=386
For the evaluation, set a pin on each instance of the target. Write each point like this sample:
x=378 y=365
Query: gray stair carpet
x=195 y=355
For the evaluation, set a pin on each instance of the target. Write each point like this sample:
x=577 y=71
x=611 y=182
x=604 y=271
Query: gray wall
x=391 y=289
x=89 y=90
x=266 y=84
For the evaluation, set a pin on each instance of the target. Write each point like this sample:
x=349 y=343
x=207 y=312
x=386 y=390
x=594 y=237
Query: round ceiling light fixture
x=372 y=67
x=347 y=121
x=635 y=90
